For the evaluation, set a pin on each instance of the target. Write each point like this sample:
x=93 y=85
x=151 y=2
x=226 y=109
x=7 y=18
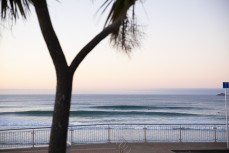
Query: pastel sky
x=186 y=45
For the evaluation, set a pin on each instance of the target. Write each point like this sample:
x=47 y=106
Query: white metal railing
x=100 y=133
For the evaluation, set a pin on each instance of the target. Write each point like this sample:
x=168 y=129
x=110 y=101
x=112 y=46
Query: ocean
x=31 y=111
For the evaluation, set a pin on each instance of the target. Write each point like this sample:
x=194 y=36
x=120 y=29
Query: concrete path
x=130 y=148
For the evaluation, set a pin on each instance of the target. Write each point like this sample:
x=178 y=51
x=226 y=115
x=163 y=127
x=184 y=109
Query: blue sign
x=225 y=84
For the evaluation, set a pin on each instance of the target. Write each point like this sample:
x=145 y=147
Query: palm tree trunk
x=61 y=113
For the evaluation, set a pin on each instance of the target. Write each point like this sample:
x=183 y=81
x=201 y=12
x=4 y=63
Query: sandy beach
x=134 y=148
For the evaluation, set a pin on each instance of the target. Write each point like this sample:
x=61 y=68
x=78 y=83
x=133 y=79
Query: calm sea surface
x=17 y=111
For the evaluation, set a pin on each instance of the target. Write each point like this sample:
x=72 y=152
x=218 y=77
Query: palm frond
x=128 y=34
x=118 y=9
x=4 y=7
x=13 y=9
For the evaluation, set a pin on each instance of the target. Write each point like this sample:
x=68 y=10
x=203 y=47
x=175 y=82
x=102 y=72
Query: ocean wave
x=136 y=107
x=84 y=113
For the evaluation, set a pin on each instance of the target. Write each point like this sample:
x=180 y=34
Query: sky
x=185 y=45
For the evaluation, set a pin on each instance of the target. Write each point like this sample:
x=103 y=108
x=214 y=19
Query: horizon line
x=155 y=91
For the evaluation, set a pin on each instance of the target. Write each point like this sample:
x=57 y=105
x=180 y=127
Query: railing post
x=180 y=134
x=215 y=129
x=145 y=133
x=108 y=130
x=33 y=138
x=71 y=130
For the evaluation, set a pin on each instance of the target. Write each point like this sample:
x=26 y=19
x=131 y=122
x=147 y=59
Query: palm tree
x=123 y=32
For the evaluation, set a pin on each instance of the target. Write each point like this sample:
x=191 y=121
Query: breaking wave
x=93 y=113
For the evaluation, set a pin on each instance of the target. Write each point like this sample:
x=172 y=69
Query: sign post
x=226 y=86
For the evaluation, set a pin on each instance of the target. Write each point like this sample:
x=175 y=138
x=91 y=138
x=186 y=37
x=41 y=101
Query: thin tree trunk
x=61 y=113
